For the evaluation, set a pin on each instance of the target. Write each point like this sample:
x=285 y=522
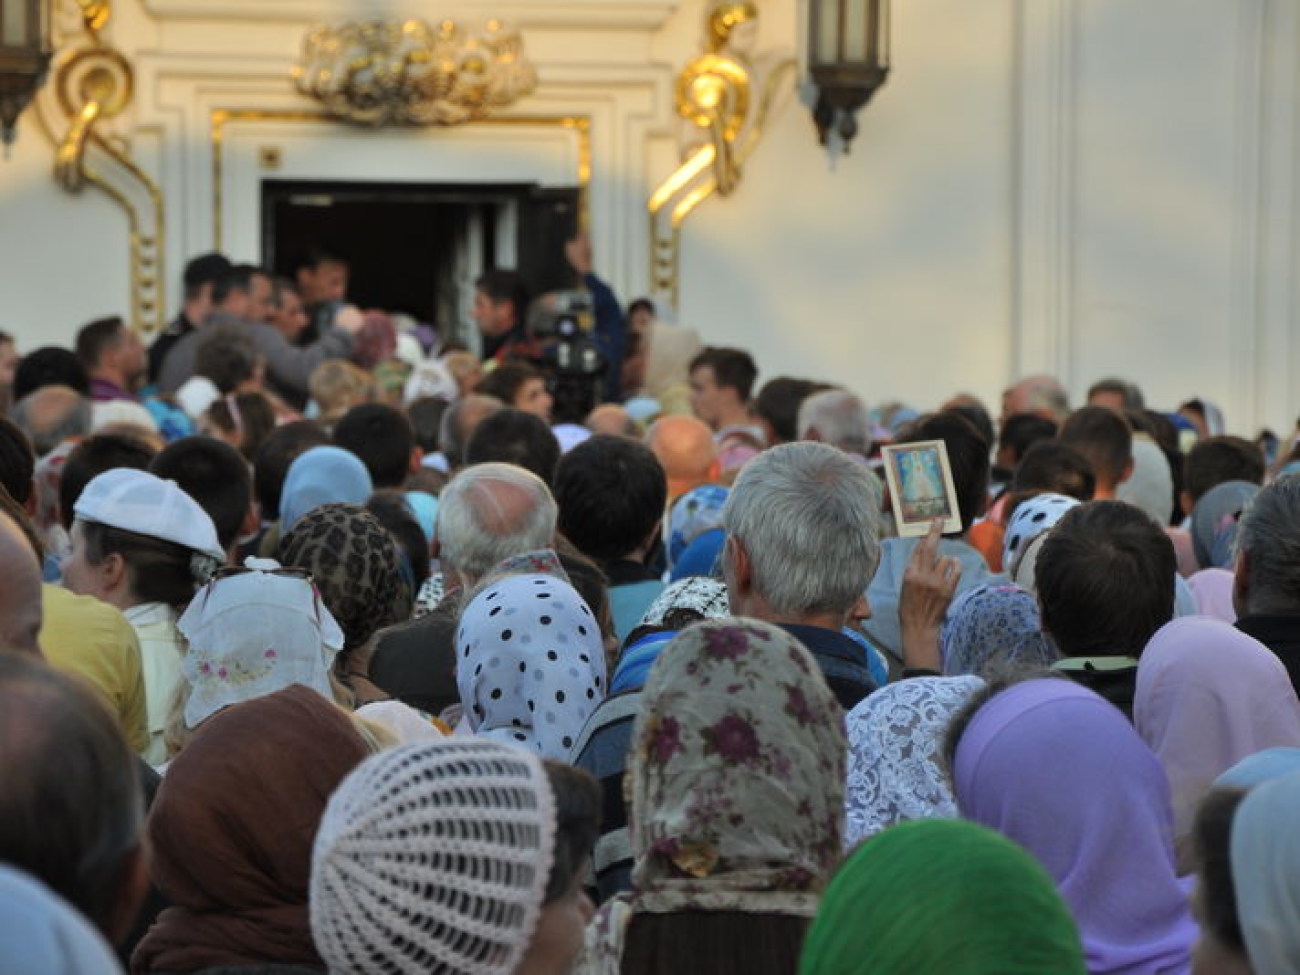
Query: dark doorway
x=415 y=247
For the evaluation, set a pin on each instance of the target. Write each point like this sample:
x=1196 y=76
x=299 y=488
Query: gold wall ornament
x=724 y=97
x=93 y=85
x=409 y=73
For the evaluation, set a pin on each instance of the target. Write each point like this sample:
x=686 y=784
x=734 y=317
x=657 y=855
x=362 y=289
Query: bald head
x=490 y=512
x=460 y=422
x=20 y=590
x=611 y=420
x=1040 y=395
x=51 y=415
x=685 y=448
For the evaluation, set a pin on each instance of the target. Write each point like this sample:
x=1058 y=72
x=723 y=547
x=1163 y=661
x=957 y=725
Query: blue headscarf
x=323 y=475
x=697 y=511
x=990 y=625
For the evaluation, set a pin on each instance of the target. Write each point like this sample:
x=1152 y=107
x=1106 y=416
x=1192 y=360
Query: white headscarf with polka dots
x=530 y=663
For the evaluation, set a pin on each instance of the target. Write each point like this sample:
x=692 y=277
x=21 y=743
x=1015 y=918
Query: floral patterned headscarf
x=736 y=775
x=991 y=626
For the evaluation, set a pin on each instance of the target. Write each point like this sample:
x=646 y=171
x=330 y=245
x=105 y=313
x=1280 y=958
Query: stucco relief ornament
x=409 y=73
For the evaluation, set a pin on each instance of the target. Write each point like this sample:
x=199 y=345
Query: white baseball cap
x=140 y=502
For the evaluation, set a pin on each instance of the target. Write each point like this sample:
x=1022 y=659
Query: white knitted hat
x=434 y=857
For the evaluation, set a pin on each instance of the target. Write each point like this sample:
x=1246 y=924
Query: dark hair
x=506 y=380
x=1020 y=431
x=226 y=357
x=577 y=825
x=501 y=285
x=968 y=454
x=1217 y=459
x=515 y=437
x=425 y=415
x=72 y=809
x=1105 y=580
x=731 y=367
x=1216 y=894
x=15 y=511
x=251 y=415
x=215 y=475
x=641 y=304
x=93 y=456
x=159 y=571
x=17 y=461
x=202 y=271
x=1050 y=465
x=281 y=287
x=978 y=417
x=778 y=403
x=394 y=513
x=97 y=337
x=238 y=278
x=611 y=493
x=313 y=257
x=49 y=366
x=382 y=437
x=271 y=462
x=1132 y=396
x=716 y=942
x=1104 y=437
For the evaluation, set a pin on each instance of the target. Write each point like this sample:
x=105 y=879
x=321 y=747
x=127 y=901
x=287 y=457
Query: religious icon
x=921 y=487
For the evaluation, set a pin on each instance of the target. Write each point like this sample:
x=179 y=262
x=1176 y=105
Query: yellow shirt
x=85 y=636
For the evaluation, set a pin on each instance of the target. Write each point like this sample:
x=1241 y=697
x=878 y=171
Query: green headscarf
x=941 y=896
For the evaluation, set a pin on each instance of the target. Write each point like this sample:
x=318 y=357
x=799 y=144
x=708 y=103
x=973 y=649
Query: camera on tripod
x=562 y=321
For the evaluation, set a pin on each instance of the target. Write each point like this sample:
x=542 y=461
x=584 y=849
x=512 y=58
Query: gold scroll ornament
x=725 y=98
x=93 y=84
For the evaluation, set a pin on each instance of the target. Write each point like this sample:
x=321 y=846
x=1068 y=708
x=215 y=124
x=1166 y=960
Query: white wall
x=1083 y=187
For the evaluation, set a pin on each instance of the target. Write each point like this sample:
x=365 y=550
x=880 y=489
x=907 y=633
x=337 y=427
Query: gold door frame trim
x=580 y=125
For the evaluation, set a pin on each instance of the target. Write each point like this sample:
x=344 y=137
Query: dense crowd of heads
x=333 y=640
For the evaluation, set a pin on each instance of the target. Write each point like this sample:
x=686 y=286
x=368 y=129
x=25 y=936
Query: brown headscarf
x=355 y=564
x=231 y=832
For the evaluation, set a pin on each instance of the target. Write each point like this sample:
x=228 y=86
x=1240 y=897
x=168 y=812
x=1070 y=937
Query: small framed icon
x=921 y=487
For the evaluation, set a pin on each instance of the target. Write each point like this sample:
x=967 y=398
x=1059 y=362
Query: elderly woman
x=992 y=628
x=1248 y=899
x=896 y=771
x=1054 y=767
x=252 y=631
x=142 y=544
x=942 y=896
x=231 y=835
x=356 y=565
x=737 y=785
x=530 y=663
x=1208 y=696
x=400 y=872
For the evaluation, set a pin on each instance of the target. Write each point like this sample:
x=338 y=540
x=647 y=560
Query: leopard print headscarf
x=355 y=564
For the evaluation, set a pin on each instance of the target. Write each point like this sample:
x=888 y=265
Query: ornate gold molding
x=580 y=125
x=715 y=95
x=93 y=85
x=409 y=73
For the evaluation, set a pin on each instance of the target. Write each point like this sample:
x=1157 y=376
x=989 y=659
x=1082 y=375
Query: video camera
x=562 y=322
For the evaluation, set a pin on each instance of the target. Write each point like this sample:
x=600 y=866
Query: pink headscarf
x=1213 y=591
x=1207 y=696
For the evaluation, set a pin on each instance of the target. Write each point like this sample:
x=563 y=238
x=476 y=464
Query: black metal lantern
x=848 y=59
x=24 y=58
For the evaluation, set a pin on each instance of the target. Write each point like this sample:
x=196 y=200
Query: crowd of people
x=330 y=644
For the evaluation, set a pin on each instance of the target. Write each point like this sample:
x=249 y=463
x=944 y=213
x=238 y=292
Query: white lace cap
x=434 y=857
